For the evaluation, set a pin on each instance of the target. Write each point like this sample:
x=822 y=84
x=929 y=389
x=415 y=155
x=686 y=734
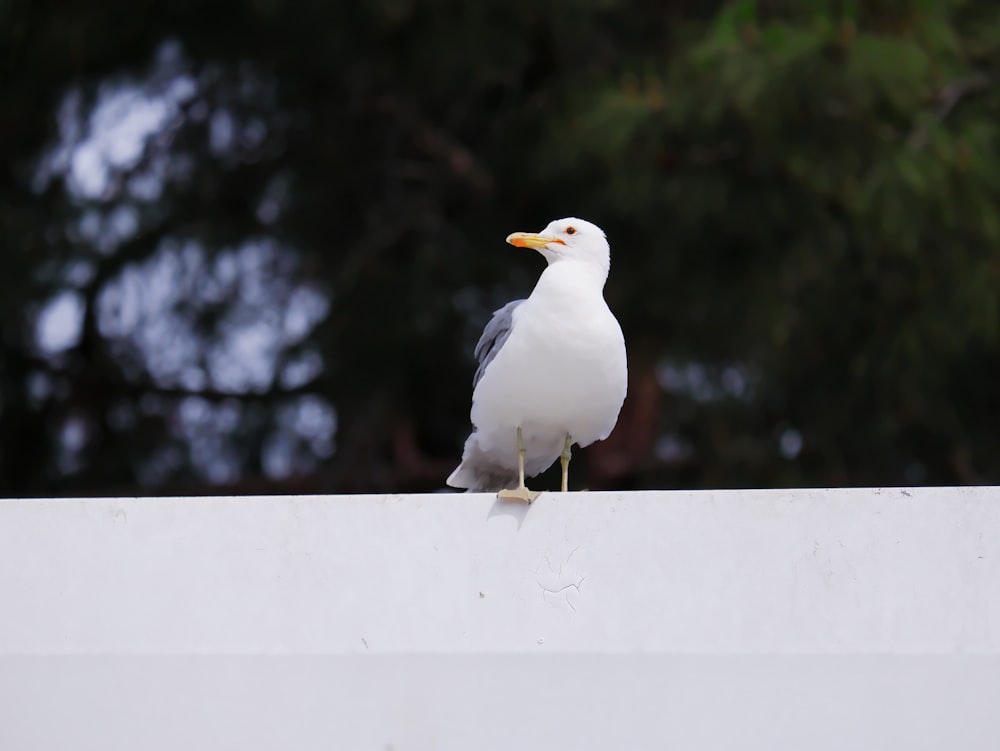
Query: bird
x=551 y=370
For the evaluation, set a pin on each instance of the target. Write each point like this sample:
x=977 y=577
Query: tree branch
x=948 y=98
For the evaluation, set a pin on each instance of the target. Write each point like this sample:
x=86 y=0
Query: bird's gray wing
x=493 y=338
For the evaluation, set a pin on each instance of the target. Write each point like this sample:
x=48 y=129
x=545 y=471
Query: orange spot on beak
x=531 y=240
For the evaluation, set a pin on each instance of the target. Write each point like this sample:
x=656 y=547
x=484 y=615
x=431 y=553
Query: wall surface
x=866 y=618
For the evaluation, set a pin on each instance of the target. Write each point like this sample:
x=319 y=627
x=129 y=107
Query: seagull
x=552 y=369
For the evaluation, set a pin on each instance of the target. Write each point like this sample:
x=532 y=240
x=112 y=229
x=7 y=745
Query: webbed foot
x=518 y=494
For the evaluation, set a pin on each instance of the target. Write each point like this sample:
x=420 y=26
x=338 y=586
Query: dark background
x=248 y=247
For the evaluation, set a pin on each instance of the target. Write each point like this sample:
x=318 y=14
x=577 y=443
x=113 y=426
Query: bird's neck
x=585 y=276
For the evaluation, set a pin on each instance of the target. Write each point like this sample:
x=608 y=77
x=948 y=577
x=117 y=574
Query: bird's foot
x=518 y=494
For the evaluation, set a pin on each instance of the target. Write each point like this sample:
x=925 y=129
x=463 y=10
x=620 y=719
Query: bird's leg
x=564 y=459
x=520 y=493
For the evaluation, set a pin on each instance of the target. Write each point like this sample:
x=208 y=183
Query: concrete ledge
x=901 y=570
x=522 y=702
x=446 y=621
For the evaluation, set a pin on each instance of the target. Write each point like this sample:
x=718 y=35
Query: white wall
x=812 y=619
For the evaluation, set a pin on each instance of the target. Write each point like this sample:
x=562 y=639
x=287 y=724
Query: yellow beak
x=531 y=240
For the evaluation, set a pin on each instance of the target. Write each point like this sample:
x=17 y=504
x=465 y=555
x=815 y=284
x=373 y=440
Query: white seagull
x=552 y=368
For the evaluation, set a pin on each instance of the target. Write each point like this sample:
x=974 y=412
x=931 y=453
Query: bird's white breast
x=562 y=370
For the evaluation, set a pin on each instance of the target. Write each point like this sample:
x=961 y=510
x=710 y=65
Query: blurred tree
x=249 y=249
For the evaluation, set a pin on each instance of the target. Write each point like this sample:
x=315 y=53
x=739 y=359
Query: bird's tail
x=462 y=477
x=478 y=477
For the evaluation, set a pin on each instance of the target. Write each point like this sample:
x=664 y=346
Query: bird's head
x=566 y=239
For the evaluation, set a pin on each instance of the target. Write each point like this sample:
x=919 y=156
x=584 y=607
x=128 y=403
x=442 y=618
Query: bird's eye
x=571 y=230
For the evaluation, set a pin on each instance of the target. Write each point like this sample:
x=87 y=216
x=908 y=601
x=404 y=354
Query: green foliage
x=802 y=199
